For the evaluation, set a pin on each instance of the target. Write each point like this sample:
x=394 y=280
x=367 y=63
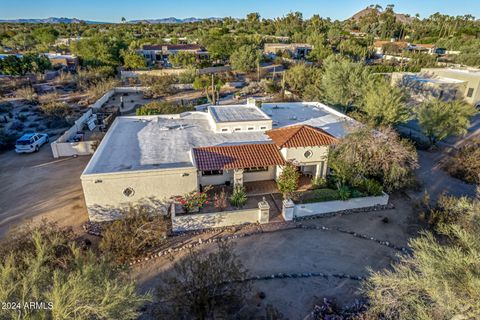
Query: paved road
x=37 y=185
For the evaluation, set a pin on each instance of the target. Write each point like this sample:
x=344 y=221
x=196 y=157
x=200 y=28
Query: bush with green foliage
x=465 y=164
x=162 y=107
x=381 y=155
x=440 y=278
x=239 y=197
x=439 y=119
x=204 y=285
x=245 y=58
x=371 y=187
x=318 y=183
x=44 y=264
x=56 y=109
x=136 y=233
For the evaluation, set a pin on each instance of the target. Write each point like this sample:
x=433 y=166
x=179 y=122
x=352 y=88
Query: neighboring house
x=427 y=48
x=423 y=86
x=389 y=47
x=158 y=54
x=470 y=76
x=150 y=159
x=358 y=34
x=295 y=50
x=67 y=61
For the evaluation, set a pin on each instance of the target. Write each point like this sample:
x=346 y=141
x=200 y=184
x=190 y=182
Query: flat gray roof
x=236 y=113
x=310 y=113
x=154 y=142
x=162 y=142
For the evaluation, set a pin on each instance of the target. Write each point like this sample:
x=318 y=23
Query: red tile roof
x=300 y=136
x=237 y=156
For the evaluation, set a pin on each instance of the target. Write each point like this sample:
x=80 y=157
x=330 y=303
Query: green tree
x=204 y=284
x=343 y=81
x=45 y=35
x=204 y=83
x=133 y=60
x=440 y=279
x=245 y=58
x=44 y=264
x=381 y=155
x=304 y=81
x=183 y=59
x=385 y=104
x=439 y=119
x=287 y=183
x=162 y=107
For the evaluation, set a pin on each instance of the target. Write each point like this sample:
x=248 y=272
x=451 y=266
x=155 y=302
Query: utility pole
x=214 y=100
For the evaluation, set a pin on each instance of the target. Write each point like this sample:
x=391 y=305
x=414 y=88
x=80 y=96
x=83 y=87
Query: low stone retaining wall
x=200 y=221
x=291 y=210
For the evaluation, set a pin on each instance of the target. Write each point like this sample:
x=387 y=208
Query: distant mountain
x=172 y=20
x=403 y=18
x=52 y=20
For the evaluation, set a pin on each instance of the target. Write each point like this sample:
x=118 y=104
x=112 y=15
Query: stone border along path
x=259 y=229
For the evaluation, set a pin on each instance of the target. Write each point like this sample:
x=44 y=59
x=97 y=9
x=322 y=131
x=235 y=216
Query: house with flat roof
x=469 y=76
x=151 y=159
x=295 y=50
x=424 y=86
x=158 y=54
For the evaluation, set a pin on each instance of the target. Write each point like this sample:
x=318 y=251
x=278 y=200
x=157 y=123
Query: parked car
x=31 y=142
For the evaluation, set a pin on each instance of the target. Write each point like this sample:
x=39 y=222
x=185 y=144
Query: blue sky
x=113 y=10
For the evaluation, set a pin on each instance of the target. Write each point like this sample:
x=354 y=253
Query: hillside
x=403 y=18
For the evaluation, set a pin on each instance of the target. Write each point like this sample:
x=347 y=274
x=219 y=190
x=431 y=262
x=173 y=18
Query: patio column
x=237 y=178
x=320 y=170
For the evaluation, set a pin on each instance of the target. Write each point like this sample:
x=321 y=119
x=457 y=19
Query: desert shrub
x=220 y=200
x=238 y=197
x=465 y=165
x=381 y=155
x=5 y=106
x=448 y=210
x=7 y=140
x=188 y=76
x=372 y=187
x=318 y=183
x=320 y=195
x=137 y=232
x=204 y=284
x=162 y=107
x=22 y=117
x=344 y=192
x=440 y=279
x=17 y=126
x=55 y=109
x=27 y=94
x=43 y=263
x=158 y=85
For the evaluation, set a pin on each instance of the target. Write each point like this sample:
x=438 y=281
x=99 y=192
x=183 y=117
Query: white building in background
x=150 y=159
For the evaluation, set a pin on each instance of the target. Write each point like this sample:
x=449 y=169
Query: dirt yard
x=36 y=186
x=307 y=251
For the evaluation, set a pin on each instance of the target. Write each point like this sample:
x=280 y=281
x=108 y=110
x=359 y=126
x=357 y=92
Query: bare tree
x=204 y=284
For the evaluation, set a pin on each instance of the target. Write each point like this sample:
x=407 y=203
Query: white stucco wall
x=243 y=126
x=214 y=220
x=317 y=208
x=318 y=154
x=104 y=192
x=217 y=179
x=259 y=176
